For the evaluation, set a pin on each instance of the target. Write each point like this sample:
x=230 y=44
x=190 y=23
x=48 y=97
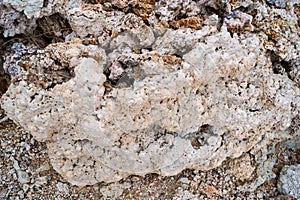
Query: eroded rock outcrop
x=145 y=99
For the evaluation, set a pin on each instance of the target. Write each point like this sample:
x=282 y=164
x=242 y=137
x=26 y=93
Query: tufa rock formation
x=175 y=86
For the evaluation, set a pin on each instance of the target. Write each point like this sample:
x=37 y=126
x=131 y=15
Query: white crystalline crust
x=31 y=8
x=219 y=100
x=289 y=181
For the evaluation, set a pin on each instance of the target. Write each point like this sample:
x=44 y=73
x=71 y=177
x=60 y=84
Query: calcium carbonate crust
x=147 y=92
x=164 y=114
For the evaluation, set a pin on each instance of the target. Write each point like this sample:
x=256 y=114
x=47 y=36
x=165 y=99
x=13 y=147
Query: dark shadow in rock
x=53 y=29
x=4 y=77
x=290 y=68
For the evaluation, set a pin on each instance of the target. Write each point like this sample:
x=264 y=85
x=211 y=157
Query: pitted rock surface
x=150 y=99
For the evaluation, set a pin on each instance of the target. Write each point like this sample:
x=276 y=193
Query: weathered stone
x=289 y=181
x=16 y=23
x=242 y=167
x=31 y=8
x=220 y=101
x=20 y=17
x=265 y=161
x=133 y=96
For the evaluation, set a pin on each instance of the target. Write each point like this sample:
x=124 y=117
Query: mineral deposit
x=138 y=93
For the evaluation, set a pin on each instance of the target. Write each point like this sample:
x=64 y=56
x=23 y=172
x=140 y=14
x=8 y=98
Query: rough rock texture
x=31 y=8
x=265 y=160
x=157 y=91
x=16 y=23
x=289 y=181
x=25 y=17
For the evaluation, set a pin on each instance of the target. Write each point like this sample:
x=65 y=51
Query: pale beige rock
x=31 y=8
x=219 y=100
x=282 y=28
x=150 y=99
x=16 y=23
x=242 y=167
x=93 y=20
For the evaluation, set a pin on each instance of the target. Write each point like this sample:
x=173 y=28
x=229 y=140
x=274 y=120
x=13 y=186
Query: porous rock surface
x=289 y=181
x=145 y=99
